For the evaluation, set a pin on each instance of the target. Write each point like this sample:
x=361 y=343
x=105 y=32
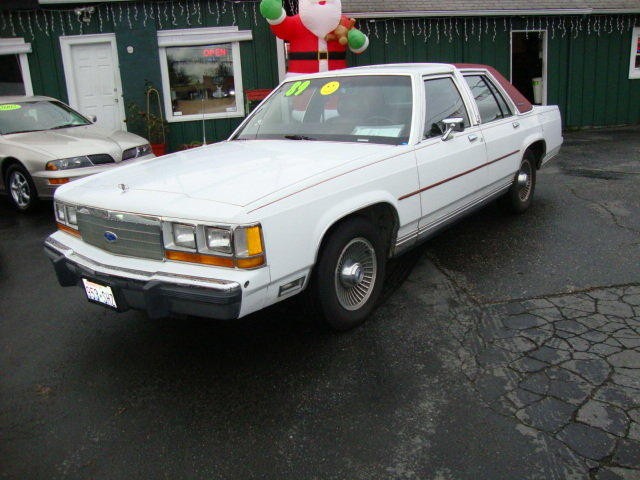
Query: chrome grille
x=122 y=233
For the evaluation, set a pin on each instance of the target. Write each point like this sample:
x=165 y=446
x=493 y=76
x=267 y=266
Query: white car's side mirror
x=451 y=125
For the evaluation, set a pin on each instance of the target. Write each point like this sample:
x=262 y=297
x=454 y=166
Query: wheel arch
x=539 y=149
x=382 y=213
x=4 y=167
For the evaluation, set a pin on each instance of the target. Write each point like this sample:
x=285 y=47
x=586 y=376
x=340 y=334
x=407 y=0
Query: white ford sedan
x=332 y=175
x=45 y=143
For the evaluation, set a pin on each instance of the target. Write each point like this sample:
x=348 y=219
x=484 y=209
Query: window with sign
x=634 y=64
x=201 y=71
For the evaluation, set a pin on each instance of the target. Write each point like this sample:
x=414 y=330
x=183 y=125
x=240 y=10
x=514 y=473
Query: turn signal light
x=58 y=181
x=199 y=258
x=67 y=229
x=250 y=262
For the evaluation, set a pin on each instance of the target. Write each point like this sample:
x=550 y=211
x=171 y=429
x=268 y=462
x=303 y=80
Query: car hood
x=236 y=173
x=72 y=141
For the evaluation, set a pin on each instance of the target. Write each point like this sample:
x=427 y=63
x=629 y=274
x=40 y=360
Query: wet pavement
x=507 y=347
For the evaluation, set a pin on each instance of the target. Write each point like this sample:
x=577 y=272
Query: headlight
x=66 y=217
x=218 y=239
x=222 y=246
x=68 y=163
x=184 y=235
x=136 y=152
x=72 y=217
x=61 y=214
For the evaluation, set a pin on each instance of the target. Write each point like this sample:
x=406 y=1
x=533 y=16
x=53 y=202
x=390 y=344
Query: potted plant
x=148 y=124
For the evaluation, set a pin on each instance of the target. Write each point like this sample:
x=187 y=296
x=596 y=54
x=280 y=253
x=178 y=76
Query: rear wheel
x=21 y=189
x=349 y=274
x=520 y=194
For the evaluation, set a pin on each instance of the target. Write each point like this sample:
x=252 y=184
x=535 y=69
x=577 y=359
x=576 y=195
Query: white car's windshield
x=36 y=116
x=359 y=108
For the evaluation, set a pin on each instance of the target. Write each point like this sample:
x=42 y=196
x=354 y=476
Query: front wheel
x=21 y=189
x=520 y=195
x=349 y=274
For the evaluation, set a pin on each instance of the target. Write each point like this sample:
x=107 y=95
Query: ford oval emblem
x=110 y=237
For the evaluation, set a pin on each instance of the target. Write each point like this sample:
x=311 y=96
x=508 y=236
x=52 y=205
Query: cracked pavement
x=507 y=347
x=567 y=367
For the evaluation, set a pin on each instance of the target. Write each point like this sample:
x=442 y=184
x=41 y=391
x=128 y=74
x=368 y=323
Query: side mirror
x=452 y=124
x=93 y=119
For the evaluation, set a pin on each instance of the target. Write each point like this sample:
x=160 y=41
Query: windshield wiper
x=66 y=125
x=298 y=137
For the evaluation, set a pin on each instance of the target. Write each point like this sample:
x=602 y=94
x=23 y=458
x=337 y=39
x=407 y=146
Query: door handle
x=473 y=137
x=516 y=124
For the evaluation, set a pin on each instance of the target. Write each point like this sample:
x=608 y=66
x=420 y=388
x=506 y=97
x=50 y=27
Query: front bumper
x=158 y=297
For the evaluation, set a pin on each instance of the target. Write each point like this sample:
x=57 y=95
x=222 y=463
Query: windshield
x=371 y=109
x=36 y=116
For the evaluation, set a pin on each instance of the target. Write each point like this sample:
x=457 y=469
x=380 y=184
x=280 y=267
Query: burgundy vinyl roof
x=522 y=104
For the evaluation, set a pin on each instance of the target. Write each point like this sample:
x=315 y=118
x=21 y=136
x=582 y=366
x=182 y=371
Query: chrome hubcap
x=523 y=179
x=20 y=191
x=524 y=182
x=352 y=275
x=355 y=273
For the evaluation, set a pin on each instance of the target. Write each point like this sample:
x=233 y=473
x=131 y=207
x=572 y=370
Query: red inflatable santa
x=318 y=35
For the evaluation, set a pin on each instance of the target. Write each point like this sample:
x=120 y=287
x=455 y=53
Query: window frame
x=495 y=93
x=463 y=98
x=202 y=37
x=634 y=73
x=17 y=46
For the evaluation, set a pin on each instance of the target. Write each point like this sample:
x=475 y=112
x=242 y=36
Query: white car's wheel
x=520 y=195
x=349 y=275
x=22 y=191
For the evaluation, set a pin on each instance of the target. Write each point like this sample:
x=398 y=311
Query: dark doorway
x=527 y=65
x=11 y=82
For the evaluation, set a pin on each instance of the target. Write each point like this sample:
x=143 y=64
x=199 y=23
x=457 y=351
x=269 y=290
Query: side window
x=491 y=104
x=443 y=101
x=504 y=106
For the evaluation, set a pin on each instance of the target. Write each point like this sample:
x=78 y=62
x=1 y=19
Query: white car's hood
x=72 y=141
x=236 y=173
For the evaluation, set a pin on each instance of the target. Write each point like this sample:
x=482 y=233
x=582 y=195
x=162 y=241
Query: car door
x=450 y=171
x=504 y=133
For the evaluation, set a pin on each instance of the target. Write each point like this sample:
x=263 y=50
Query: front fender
x=347 y=207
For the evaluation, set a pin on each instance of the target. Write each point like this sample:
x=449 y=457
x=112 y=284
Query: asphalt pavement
x=508 y=347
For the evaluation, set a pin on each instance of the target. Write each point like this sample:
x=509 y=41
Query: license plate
x=101 y=294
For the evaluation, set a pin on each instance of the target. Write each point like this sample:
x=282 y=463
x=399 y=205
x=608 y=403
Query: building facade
x=195 y=64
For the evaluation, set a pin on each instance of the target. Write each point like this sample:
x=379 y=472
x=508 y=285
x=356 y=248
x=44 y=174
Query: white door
x=451 y=172
x=93 y=78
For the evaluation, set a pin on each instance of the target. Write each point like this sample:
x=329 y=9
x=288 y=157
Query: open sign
x=214 y=52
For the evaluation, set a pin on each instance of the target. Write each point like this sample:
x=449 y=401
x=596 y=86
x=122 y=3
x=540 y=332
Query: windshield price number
x=99 y=293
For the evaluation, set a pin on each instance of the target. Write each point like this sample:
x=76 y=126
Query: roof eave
x=494 y=13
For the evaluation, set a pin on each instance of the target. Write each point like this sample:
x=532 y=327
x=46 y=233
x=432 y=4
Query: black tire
x=348 y=277
x=520 y=195
x=21 y=189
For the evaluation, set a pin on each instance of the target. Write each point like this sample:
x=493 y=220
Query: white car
x=328 y=178
x=45 y=143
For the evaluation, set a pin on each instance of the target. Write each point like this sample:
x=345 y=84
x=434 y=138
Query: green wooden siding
x=587 y=72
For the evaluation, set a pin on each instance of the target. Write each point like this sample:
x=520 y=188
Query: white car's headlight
x=66 y=217
x=72 y=215
x=184 y=235
x=68 y=163
x=219 y=240
x=61 y=212
x=219 y=245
